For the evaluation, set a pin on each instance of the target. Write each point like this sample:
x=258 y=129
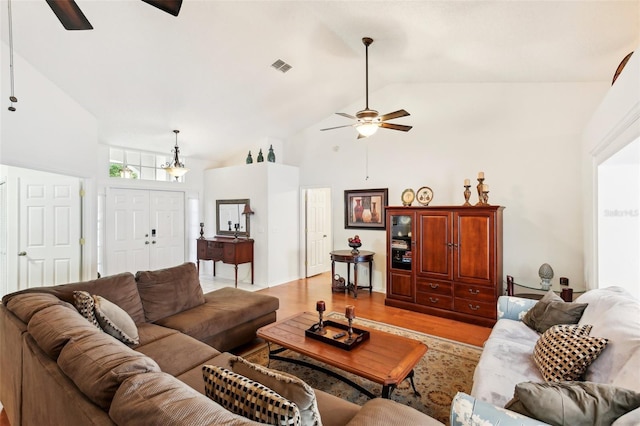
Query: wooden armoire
x=445 y=261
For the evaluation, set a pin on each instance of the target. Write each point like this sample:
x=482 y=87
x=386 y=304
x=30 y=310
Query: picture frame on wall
x=364 y=208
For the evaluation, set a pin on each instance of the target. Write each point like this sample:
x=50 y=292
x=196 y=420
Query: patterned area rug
x=445 y=369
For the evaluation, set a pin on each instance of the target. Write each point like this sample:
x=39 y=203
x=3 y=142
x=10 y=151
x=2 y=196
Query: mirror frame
x=224 y=206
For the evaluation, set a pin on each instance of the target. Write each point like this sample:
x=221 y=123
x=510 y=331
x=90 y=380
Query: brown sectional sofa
x=58 y=368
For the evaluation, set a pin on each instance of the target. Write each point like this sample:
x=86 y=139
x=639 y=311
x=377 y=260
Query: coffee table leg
x=387 y=390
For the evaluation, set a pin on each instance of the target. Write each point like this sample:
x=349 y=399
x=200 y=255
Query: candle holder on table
x=320 y=307
x=350 y=313
x=202 y=230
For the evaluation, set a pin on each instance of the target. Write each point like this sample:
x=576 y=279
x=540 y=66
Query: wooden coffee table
x=384 y=358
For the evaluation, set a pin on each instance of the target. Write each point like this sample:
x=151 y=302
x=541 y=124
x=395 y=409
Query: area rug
x=446 y=368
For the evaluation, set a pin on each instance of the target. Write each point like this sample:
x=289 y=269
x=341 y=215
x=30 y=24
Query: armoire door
x=435 y=252
x=475 y=238
x=144 y=230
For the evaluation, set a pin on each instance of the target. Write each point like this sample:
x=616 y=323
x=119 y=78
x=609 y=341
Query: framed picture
x=364 y=208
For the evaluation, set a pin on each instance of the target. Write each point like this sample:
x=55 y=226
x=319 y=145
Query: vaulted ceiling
x=208 y=72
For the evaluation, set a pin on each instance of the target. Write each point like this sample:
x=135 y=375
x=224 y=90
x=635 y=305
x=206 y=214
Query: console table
x=233 y=251
x=566 y=293
x=349 y=258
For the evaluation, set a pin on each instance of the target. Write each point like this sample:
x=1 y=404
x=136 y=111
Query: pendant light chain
x=12 y=98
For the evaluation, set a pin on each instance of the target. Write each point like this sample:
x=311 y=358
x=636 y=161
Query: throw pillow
x=288 y=386
x=562 y=354
x=247 y=398
x=115 y=321
x=552 y=310
x=166 y=292
x=85 y=305
x=573 y=403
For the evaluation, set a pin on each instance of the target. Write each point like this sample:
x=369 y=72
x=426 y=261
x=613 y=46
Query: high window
x=132 y=164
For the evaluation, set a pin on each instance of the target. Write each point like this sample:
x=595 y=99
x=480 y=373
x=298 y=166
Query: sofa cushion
x=248 y=398
x=25 y=305
x=160 y=399
x=177 y=353
x=148 y=332
x=98 y=364
x=223 y=310
x=384 y=412
x=85 y=305
x=573 y=403
x=562 y=353
x=115 y=321
x=552 y=310
x=166 y=292
x=53 y=327
x=613 y=312
x=290 y=387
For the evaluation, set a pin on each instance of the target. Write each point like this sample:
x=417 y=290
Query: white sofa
x=507 y=358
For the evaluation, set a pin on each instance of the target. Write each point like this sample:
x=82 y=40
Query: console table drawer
x=434 y=300
x=475 y=292
x=433 y=287
x=481 y=309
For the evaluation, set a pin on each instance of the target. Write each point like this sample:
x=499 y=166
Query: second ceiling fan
x=369 y=120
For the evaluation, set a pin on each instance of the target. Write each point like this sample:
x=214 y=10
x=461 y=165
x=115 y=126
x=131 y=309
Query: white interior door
x=127 y=233
x=49 y=230
x=318 y=230
x=144 y=230
x=167 y=229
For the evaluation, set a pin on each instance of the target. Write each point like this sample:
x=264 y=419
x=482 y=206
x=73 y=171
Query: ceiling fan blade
x=344 y=114
x=395 y=126
x=396 y=114
x=69 y=14
x=170 y=6
x=338 y=127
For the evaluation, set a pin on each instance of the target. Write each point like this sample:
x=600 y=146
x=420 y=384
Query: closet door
x=144 y=230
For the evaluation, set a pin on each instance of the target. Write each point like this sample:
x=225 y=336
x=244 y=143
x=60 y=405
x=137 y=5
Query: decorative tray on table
x=337 y=335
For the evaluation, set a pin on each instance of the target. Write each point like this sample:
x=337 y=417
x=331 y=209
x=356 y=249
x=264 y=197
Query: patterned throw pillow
x=564 y=352
x=247 y=398
x=115 y=321
x=85 y=305
x=286 y=385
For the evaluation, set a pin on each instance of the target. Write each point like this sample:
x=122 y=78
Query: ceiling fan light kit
x=176 y=168
x=369 y=120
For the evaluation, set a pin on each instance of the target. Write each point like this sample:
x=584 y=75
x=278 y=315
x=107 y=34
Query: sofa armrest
x=514 y=308
x=469 y=411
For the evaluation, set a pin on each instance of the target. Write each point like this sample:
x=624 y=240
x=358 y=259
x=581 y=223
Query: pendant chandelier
x=175 y=168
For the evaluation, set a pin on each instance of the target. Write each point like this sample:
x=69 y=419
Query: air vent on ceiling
x=281 y=65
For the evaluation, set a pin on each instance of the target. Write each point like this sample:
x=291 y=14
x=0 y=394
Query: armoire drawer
x=481 y=309
x=434 y=300
x=432 y=286
x=475 y=292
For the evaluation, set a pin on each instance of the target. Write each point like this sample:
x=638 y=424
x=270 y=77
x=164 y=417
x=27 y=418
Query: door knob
x=153 y=242
x=22 y=253
x=146 y=242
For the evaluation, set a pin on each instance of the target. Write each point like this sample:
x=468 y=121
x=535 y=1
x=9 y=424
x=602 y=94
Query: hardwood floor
x=301 y=295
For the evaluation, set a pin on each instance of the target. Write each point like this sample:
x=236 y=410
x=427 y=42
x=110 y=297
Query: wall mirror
x=229 y=217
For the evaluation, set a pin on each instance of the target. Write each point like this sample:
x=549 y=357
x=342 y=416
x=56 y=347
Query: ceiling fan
x=72 y=17
x=369 y=120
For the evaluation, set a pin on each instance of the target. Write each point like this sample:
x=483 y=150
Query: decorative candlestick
x=321 y=307
x=202 y=230
x=479 y=188
x=485 y=198
x=350 y=313
x=467 y=193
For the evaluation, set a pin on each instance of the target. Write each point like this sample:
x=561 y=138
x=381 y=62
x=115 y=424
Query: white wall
x=525 y=137
x=614 y=124
x=272 y=189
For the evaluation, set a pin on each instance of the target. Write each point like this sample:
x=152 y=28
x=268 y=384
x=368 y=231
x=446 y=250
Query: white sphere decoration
x=545 y=273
